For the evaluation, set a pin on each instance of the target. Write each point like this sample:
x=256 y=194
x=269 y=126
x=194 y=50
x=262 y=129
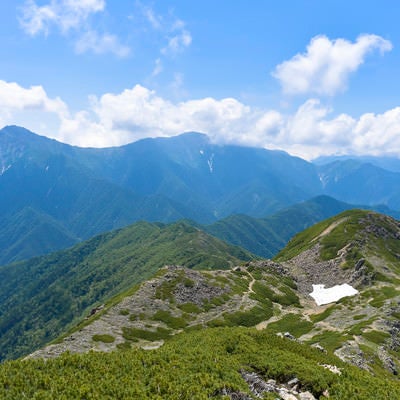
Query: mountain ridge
x=40 y=297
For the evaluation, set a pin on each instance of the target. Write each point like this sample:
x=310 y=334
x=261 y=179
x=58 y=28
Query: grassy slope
x=41 y=297
x=195 y=365
x=352 y=226
x=266 y=236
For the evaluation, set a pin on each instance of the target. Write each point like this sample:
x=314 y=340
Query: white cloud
x=158 y=67
x=71 y=16
x=14 y=97
x=325 y=67
x=101 y=44
x=30 y=107
x=177 y=43
x=156 y=21
x=64 y=14
x=120 y=118
x=170 y=30
x=309 y=132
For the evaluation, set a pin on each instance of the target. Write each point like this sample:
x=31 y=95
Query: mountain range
x=55 y=195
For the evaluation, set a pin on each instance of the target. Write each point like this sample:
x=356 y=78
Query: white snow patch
x=333 y=294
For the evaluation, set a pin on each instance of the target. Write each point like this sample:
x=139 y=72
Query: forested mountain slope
x=41 y=297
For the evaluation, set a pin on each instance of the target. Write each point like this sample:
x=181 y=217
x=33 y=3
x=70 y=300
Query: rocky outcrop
x=290 y=390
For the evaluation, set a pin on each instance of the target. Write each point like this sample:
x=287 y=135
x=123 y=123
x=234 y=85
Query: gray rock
x=306 y=396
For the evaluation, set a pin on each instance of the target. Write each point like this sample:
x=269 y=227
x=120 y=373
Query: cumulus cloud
x=30 y=107
x=118 y=118
x=14 y=97
x=325 y=67
x=311 y=131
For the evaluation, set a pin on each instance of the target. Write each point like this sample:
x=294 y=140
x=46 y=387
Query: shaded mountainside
x=358 y=182
x=29 y=233
x=389 y=163
x=41 y=297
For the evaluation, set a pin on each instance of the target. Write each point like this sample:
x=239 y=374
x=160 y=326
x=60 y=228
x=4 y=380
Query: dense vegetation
x=41 y=297
x=196 y=365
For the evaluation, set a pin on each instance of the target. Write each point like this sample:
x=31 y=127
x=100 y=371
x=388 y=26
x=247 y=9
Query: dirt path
x=253 y=280
x=330 y=228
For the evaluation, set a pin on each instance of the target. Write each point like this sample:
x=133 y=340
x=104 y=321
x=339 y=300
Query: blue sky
x=309 y=77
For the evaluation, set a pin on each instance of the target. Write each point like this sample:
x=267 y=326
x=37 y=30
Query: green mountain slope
x=365 y=232
x=30 y=233
x=267 y=236
x=41 y=297
x=219 y=363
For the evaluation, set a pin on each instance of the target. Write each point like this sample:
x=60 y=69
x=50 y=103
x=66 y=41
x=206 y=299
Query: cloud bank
x=116 y=119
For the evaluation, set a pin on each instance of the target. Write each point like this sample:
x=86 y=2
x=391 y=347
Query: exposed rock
x=293 y=382
x=197 y=293
x=232 y=394
x=290 y=390
x=306 y=396
x=319 y=347
x=307 y=269
x=352 y=354
x=333 y=368
x=289 y=336
x=286 y=395
x=394 y=329
x=257 y=385
x=387 y=361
